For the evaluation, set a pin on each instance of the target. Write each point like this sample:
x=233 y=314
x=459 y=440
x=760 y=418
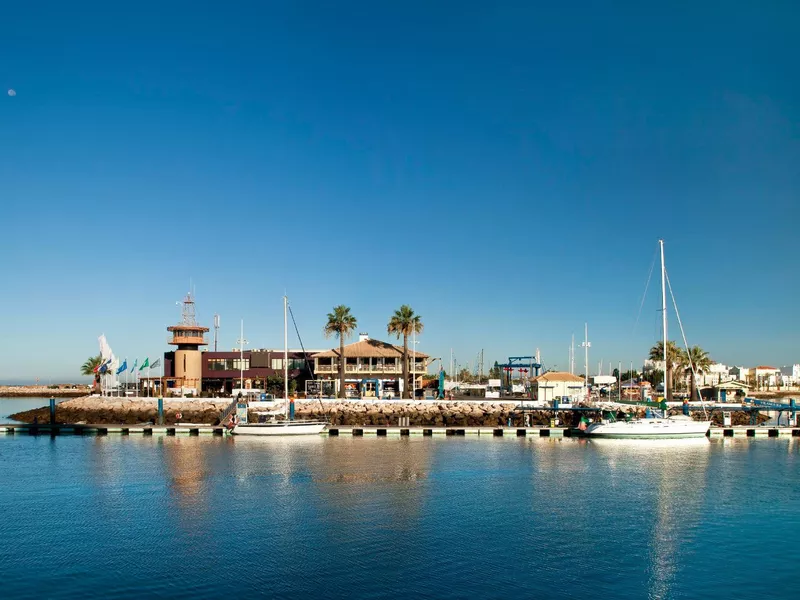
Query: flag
x=105 y=349
x=145 y=364
x=123 y=367
x=135 y=362
x=103 y=366
x=156 y=363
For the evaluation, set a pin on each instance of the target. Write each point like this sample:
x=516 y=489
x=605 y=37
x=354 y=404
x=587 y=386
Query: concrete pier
x=362 y=430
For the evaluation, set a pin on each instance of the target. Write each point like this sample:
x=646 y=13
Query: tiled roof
x=370 y=349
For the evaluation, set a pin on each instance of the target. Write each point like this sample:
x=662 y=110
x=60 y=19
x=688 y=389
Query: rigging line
x=305 y=356
x=685 y=343
x=644 y=296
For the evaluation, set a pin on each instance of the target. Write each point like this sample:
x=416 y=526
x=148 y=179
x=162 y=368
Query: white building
x=790 y=375
x=558 y=385
x=604 y=381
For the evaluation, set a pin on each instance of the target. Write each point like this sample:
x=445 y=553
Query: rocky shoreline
x=107 y=411
x=34 y=391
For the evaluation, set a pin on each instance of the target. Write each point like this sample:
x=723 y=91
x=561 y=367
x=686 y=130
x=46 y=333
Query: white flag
x=105 y=349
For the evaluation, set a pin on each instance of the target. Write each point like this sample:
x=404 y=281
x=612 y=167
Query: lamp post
x=414 y=366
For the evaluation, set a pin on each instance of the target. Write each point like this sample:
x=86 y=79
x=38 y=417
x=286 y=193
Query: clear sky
x=506 y=168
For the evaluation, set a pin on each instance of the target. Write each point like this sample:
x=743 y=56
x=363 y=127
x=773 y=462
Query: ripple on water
x=122 y=517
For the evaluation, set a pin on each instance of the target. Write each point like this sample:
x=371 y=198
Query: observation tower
x=188 y=337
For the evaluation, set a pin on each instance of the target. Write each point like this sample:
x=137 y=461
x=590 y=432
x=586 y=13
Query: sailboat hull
x=649 y=428
x=281 y=428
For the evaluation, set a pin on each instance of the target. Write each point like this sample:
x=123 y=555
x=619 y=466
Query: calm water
x=121 y=517
x=9 y=406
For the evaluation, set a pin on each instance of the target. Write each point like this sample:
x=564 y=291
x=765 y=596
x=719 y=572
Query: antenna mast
x=216 y=331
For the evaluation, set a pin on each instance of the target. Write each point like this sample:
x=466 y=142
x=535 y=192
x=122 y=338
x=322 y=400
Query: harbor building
x=188 y=336
x=253 y=372
x=373 y=369
x=558 y=385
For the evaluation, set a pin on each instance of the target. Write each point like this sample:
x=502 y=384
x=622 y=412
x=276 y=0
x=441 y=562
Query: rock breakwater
x=107 y=411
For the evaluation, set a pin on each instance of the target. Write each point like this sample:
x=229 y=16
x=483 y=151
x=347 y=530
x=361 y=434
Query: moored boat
x=656 y=426
x=280 y=428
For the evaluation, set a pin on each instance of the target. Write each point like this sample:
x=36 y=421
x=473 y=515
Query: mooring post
x=160 y=411
x=52 y=411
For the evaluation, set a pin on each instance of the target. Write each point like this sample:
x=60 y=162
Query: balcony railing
x=364 y=368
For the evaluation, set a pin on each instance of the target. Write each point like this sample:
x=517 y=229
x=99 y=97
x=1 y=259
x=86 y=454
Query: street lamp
x=414 y=366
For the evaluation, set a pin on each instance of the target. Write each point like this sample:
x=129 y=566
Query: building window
x=294 y=363
x=228 y=364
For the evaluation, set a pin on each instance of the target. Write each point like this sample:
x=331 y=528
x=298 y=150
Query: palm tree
x=698 y=358
x=674 y=358
x=88 y=369
x=341 y=324
x=404 y=322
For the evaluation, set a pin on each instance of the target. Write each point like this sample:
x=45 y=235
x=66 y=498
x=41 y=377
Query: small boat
x=658 y=426
x=280 y=428
x=284 y=426
x=676 y=426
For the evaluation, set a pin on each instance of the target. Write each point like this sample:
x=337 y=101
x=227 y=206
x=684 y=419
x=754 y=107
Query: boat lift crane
x=515 y=362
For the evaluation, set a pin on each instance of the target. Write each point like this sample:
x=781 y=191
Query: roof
x=767 y=368
x=369 y=349
x=731 y=385
x=557 y=376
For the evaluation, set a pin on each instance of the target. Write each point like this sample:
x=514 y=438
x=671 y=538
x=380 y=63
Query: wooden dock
x=80 y=429
x=363 y=430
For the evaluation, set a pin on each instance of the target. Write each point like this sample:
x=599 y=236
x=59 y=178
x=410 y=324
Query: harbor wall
x=103 y=410
x=35 y=391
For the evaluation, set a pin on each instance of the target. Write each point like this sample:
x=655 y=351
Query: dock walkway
x=363 y=430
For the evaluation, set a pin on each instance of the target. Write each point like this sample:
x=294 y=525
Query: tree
x=674 y=360
x=89 y=369
x=698 y=358
x=341 y=324
x=404 y=322
x=494 y=372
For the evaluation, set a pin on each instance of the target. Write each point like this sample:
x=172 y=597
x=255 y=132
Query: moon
x=12 y=93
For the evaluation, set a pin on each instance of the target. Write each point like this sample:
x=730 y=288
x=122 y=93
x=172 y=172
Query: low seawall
x=106 y=411
x=35 y=391
x=131 y=411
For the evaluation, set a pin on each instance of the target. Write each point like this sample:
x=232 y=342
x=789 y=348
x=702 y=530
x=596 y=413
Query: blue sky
x=504 y=168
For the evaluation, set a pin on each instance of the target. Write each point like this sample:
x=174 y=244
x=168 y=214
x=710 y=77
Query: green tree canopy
x=404 y=323
x=342 y=324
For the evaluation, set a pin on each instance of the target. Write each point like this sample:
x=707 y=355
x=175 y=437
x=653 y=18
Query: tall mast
x=241 y=359
x=586 y=344
x=664 y=319
x=286 y=354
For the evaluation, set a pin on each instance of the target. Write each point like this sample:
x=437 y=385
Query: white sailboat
x=284 y=426
x=676 y=426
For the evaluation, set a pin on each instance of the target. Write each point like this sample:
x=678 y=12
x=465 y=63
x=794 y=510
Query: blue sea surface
x=187 y=517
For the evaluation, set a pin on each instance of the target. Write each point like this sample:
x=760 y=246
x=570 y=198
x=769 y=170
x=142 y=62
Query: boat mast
x=286 y=354
x=241 y=360
x=664 y=320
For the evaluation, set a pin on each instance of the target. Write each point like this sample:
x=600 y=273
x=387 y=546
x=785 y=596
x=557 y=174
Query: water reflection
x=676 y=469
x=185 y=466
